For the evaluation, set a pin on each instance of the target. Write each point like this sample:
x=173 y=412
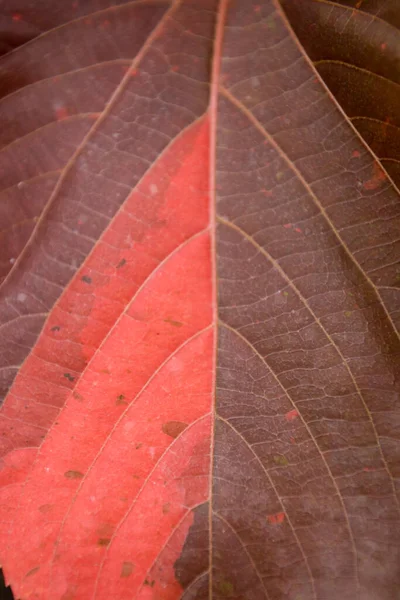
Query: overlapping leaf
x=199 y=302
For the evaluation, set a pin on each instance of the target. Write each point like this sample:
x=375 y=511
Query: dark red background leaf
x=199 y=300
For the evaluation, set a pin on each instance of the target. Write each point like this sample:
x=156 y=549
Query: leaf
x=199 y=300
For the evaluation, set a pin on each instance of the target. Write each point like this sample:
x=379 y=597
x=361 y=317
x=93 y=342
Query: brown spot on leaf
x=173 y=323
x=121 y=400
x=281 y=460
x=69 y=377
x=86 y=279
x=103 y=541
x=226 y=588
x=121 y=263
x=166 y=508
x=55 y=328
x=174 y=428
x=32 y=571
x=73 y=475
x=127 y=569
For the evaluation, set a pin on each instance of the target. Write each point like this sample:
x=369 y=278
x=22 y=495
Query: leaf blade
x=290 y=488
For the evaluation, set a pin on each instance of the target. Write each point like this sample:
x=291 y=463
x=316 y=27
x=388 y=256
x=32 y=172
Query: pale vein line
x=356 y=68
x=387 y=159
x=213 y=109
x=36 y=403
x=308 y=188
x=389 y=287
x=339 y=108
x=28 y=181
x=378 y=121
x=15 y=419
x=116 y=61
x=193 y=583
x=164 y=261
x=386 y=266
x=107 y=109
x=72 y=372
x=47 y=281
x=246 y=551
x=145 y=482
x=17 y=483
x=17 y=225
x=32 y=378
x=368 y=248
x=329 y=472
x=278 y=496
x=22 y=139
x=23 y=317
x=352 y=9
x=303 y=300
x=82 y=18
